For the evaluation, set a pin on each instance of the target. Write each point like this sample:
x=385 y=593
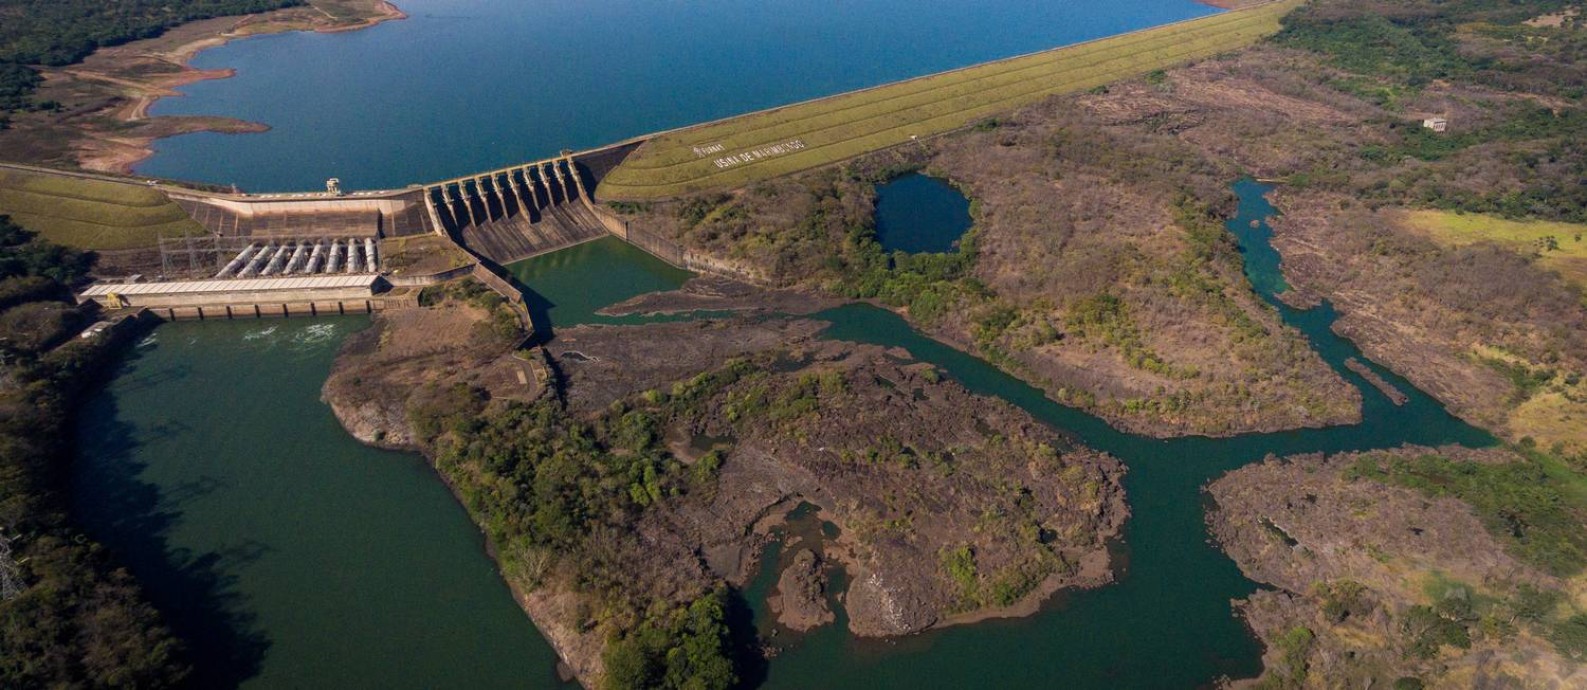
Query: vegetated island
x=77 y=77
x=626 y=476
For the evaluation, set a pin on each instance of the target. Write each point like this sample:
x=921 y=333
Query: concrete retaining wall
x=431 y=279
x=281 y=310
x=672 y=252
x=502 y=287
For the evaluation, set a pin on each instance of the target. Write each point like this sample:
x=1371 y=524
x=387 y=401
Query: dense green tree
x=23 y=254
x=69 y=617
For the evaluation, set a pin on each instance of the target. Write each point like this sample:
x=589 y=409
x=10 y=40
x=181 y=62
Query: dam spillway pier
x=293 y=257
x=489 y=215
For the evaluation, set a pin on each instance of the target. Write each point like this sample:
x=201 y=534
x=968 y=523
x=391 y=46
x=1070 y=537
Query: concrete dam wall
x=392 y=215
x=512 y=214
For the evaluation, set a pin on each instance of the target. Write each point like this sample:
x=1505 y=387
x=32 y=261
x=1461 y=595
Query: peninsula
x=87 y=106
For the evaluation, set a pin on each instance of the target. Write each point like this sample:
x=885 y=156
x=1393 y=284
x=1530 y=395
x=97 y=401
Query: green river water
x=297 y=558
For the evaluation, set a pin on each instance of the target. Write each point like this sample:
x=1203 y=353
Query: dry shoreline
x=104 y=123
x=183 y=57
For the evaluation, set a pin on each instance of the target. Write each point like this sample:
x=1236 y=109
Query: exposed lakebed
x=205 y=402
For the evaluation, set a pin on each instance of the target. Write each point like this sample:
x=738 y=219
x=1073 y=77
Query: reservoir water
x=468 y=85
x=293 y=557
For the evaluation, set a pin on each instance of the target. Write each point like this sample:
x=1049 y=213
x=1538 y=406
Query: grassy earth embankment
x=844 y=126
x=85 y=213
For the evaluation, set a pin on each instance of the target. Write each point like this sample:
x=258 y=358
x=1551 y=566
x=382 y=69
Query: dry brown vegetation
x=1072 y=213
x=1479 y=327
x=689 y=439
x=1377 y=581
x=1493 y=333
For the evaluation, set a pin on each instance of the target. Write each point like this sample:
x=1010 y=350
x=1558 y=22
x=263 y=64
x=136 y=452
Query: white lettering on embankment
x=704 y=150
x=753 y=155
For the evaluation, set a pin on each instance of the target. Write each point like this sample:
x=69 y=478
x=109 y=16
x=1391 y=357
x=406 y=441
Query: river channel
x=1168 y=622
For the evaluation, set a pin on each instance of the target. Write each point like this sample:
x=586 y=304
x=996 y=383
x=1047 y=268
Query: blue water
x=918 y=213
x=467 y=85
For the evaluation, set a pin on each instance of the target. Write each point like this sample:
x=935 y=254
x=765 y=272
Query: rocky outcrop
x=800 y=600
x=903 y=462
x=375 y=423
x=1377 y=583
x=910 y=467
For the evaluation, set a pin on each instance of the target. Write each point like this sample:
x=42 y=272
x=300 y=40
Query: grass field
x=1566 y=254
x=91 y=214
x=1554 y=409
x=847 y=125
x=1552 y=413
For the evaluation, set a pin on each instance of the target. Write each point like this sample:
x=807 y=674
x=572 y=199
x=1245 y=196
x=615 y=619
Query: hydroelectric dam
x=336 y=251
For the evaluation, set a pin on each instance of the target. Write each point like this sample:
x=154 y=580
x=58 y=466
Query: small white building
x=95 y=329
x=1437 y=124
